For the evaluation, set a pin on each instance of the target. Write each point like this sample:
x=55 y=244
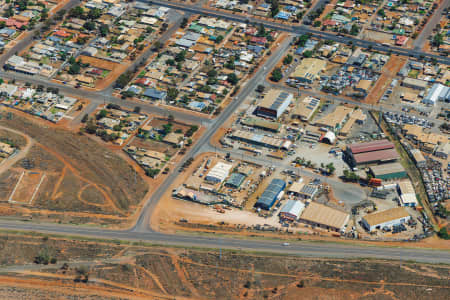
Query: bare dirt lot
x=84 y=183
x=105 y=270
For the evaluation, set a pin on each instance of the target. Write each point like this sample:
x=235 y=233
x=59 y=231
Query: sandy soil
x=388 y=73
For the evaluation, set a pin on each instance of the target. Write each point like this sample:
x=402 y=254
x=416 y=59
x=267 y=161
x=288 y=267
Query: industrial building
x=260 y=140
x=325 y=217
x=374 y=152
x=306 y=108
x=274 y=104
x=218 y=173
x=415 y=83
x=329 y=138
x=336 y=119
x=309 y=70
x=438 y=92
x=385 y=218
x=309 y=191
x=292 y=210
x=261 y=124
x=418 y=157
x=388 y=171
x=235 y=180
x=271 y=194
x=407 y=193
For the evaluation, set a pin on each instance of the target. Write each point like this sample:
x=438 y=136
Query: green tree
x=74 y=68
x=76 y=12
x=288 y=59
x=354 y=30
x=277 y=75
x=232 y=78
x=104 y=30
x=184 y=23
x=172 y=94
x=438 y=39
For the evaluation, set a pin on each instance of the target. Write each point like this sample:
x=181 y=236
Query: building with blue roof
x=282 y=15
x=155 y=94
x=196 y=105
x=271 y=194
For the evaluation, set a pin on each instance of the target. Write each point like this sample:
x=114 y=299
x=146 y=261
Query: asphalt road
x=348 y=192
x=23 y=43
x=301 y=248
x=301 y=29
x=100 y=97
x=419 y=42
x=142 y=232
x=142 y=224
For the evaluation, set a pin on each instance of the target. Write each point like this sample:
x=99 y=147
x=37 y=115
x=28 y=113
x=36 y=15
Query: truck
x=375 y=182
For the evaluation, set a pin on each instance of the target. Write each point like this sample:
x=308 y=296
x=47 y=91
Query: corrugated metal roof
x=324 y=215
x=387 y=169
x=371 y=146
x=382 y=155
x=386 y=216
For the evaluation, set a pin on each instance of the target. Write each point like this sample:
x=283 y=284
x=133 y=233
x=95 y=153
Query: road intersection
x=141 y=231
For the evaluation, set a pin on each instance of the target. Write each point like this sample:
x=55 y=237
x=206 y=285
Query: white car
x=286 y=244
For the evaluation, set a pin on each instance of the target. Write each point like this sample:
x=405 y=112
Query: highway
x=141 y=231
x=302 y=248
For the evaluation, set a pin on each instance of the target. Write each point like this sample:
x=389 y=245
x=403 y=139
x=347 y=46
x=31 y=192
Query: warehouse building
x=258 y=139
x=235 y=180
x=274 y=104
x=292 y=210
x=261 y=124
x=438 y=92
x=218 y=173
x=271 y=194
x=407 y=193
x=306 y=108
x=415 y=83
x=385 y=218
x=309 y=191
x=418 y=157
x=296 y=187
x=336 y=119
x=324 y=217
x=309 y=70
x=388 y=171
x=374 y=152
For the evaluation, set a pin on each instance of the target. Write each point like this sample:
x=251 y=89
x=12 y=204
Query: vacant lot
x=17 y=141
x=103 y=270
x=81 y=177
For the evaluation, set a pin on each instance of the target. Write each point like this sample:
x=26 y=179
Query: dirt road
x=11 y=161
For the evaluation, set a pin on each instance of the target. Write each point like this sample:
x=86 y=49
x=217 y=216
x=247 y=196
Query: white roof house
x=219 y=172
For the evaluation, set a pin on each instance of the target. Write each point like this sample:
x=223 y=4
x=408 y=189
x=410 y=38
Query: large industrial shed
x=274 y=104
x=388 y=171
x=381 y=151
x=271 y=194
x=219 y=172
x=292 y=210
x=235 y=180
x=325 y=217
x=385 y=218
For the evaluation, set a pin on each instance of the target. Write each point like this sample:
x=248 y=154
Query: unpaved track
x=11 y=161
